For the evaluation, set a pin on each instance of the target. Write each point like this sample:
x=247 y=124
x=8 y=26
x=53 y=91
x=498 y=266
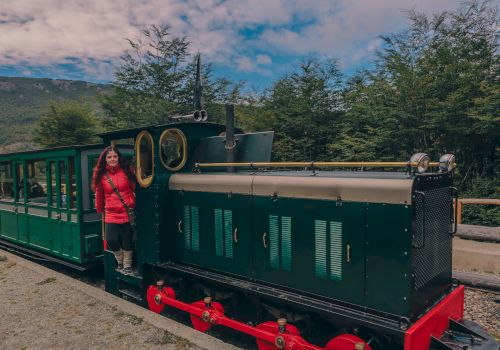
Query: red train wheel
x=273 y=327
x=154 y=295
x=347 y=342
x=199 y=323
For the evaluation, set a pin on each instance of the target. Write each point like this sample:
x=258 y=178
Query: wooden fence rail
x=463 y=201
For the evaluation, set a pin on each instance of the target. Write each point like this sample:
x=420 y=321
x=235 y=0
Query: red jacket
x=107 y=200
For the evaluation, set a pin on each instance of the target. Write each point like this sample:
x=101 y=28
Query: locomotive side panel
x=311 y=245
x=213 y=230
x=388 y=244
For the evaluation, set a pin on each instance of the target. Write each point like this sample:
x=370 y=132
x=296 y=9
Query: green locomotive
x=361 y=257
x=368 y=254
x=46 y=205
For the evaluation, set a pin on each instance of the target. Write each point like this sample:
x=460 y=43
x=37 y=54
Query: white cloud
x=54 y=32
x=264 y=59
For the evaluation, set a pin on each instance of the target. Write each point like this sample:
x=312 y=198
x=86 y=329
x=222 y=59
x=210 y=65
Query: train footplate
x=464 y=334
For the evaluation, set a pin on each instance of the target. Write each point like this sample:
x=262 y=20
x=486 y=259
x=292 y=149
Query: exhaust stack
x=230 y=143
x=200 y=114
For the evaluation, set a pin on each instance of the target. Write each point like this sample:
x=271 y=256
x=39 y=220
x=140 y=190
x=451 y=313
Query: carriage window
x=62 y=183
x=72 y=183
x=53 y=185
x=37 y=182
x=173 y=149
x=93 y=163
x=20 y=182
x=144 y=158
x=6 y=182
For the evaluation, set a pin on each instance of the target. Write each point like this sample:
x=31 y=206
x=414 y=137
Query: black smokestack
x=230 y=136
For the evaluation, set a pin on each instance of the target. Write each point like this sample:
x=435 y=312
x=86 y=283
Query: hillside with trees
x=25 y=100
x=434 y=88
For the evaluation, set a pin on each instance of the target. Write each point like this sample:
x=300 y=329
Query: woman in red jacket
x=111 y=171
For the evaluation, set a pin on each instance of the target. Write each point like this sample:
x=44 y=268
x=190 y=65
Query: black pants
x=119 y=236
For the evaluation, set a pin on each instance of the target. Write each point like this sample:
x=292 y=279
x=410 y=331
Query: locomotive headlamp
x=446 y=163
x=421 y=161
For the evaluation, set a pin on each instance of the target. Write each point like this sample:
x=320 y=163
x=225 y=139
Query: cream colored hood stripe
x=393 y=191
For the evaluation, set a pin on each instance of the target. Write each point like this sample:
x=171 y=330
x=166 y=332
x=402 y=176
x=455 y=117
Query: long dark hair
x=100 y=167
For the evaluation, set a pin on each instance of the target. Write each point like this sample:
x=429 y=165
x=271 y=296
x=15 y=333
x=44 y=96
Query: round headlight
x=446 y=163
x=421 y=161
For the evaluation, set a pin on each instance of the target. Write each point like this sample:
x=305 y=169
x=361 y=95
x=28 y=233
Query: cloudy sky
x=252 y=40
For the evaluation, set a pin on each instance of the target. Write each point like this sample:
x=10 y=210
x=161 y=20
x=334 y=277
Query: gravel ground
x=484 y=308
x=30 y=319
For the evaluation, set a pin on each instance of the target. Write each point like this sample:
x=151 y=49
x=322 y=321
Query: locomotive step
x=131 y=295
x=135 y=280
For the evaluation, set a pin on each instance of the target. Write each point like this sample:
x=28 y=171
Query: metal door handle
x=179 y=226
x=235 y=235
x=264 y=240
x=348 y=249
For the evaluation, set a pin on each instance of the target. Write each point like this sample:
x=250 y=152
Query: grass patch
x=118 y=313
x=123 y=335
x=135 y=320
x=3 y=258
x=171 y=339
x=130 y=318
x=45 y=281
x=167 y=338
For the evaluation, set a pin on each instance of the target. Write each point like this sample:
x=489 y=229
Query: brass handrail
x=314 y=164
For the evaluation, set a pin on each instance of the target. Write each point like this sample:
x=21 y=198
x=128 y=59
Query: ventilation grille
x=328 y=249
x=223 y=233
x=280 y=242
x=191 y=228
x=432 y=252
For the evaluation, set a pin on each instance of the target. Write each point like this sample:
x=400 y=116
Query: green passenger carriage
x=46 y=204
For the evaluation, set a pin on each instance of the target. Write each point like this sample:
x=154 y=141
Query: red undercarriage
x=279 y=335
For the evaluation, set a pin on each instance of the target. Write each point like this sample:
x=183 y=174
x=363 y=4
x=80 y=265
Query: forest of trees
x=433 y=88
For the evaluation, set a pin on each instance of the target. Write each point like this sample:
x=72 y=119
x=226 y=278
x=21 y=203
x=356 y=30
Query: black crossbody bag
x=130 y=211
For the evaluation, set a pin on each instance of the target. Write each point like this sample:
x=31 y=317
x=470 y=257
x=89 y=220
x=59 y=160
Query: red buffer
x=269 y=335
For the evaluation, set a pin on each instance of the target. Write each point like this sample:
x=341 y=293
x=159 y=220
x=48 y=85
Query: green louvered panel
x=228 y=230
x=286 y=243
x=328 y=246
x=195 y=234
x=280 y=242
x=273 y=241
x=336 y=250
x=187 y=227
x=219 y=242
x=191 y=228
x=320 y=248
x=223 y=233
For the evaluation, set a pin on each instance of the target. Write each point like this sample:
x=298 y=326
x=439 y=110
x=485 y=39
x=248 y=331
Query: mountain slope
x=24 y=100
